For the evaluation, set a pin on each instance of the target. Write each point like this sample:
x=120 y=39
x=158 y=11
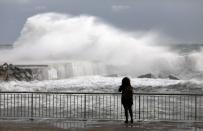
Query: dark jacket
x=127 y=95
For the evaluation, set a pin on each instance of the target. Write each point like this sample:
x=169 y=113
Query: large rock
x=150 y=75
x=173 y=77
x=11 y=72
x=147 y=76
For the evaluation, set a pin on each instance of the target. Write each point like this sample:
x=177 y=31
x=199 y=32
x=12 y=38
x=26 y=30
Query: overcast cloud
x=179 y=19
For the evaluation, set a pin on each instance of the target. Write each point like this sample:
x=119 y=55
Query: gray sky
x=179 y=19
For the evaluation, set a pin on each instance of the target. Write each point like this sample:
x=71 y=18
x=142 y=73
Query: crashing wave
x=105 y=84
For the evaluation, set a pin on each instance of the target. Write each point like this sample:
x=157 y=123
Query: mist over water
x=59 y=37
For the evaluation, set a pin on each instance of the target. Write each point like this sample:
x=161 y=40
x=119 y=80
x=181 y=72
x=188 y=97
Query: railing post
x=195 y=107
x=0 y=105
x=85 y=107
x=139 y=107
x=32 y=112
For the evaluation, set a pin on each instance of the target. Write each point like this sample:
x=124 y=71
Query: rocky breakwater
x=152 y=76
x=11 y=72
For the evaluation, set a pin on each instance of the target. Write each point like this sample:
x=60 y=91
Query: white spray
x=53 y=37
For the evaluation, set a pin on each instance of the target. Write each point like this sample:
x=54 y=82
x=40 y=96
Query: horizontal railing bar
x=182 y=94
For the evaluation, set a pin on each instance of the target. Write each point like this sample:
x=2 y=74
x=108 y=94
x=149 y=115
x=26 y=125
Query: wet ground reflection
x=59 y=125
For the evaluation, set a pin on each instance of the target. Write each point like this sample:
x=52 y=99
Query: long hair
x=125 y=82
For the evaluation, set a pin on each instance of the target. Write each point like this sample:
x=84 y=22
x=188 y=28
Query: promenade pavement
x=66 y=125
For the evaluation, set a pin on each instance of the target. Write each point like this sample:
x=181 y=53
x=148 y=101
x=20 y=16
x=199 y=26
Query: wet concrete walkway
x=62 y=125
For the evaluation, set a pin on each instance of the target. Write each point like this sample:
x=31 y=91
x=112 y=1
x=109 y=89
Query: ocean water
x=105 y=84
x=98 y=106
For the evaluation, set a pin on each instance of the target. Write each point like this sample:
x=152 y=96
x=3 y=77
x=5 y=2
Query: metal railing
x=100 y=106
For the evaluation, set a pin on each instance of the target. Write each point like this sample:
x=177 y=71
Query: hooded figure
x=127 y=97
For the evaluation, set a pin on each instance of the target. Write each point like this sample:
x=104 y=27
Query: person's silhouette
x=127 y=97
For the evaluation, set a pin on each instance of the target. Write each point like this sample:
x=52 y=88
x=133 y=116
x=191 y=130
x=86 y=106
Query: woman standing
x=127 y=97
